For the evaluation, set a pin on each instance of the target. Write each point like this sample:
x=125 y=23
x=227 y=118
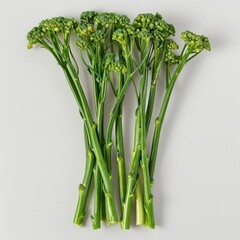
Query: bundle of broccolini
x=113 y=50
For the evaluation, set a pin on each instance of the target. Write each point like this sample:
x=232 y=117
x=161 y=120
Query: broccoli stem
x=115 y=108
x=92 y=130
x=148 y=198
x=98 y=192
x=160 y=118
x=85 y=185
x=80 y=97
x=140 y=214
x=100 y=120
x=120 y=148
x=157 y=64
x=96 y=218
x=132 y=176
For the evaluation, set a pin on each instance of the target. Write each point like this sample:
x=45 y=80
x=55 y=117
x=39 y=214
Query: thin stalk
x=168 y=76
x=100 y=121
x=85 y=185
x=148 y=198
x=99 y=107
x=140 y=214
x=90 y=158
x=96 y=218
x=131 y=182
x=114 y=112
x=120 y=149
x=160 y=118
x=92 y=129
x=118 y=101
x=157 y=64
x=132 y=176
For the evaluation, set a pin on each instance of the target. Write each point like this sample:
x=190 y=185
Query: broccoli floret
x=120 y=36
x=82 y=43
x=59 y=25
x=85 y=30
x=172 y=45
x=158 y=35
x=158 y=16
x=144 y=21
x=35 y=36
x=121 y=21
x=145 y=35
x=109 y=59
x=171 y=58
x=131 y=30
x=88 y=16
x=206 y=43
x=118 y=67
x=55 y=25
x=161 y=30
x=98 y=36
x=164 y=28
x=196 y=42
x=105 y=19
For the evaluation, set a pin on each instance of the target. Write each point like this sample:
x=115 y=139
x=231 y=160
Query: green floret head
x=145 y=35
x=120 y=36
x=121 y=21
x=172 y=45
x=118 y=67
x=59 y=25
x=85 y=30
x=34 y=36
x=55 y=25
x=158 y=16
x=144 y=21
x=206 y=43
x=171 y=58
x=165 y=29
x=131 y=30
x=158 y=35
x=98 y=36
x=109 y=60
x=88 y=16
x=171 y=29
x=196 y=42
x=105 y=19
x=82 y=43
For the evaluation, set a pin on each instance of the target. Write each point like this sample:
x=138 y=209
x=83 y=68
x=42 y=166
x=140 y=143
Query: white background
x=197 y=189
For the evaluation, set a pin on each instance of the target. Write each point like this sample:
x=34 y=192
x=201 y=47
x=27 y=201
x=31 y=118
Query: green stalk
x=119 y=98
x=120 y=149
x=98 y=193
x=160 y=118
x=96 y=218
x=100 y=120
x=140 y=214
x=85 y=185
x=157 y=64
x=92 y=130
x=80 y=211
x=95 y=84
x=148 y=198
x=132 y=176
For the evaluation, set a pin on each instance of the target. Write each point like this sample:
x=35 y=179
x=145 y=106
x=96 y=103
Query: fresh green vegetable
x=117 y=53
